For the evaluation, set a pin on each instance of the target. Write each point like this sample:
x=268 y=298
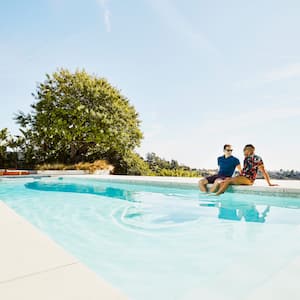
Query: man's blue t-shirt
x=227 y=165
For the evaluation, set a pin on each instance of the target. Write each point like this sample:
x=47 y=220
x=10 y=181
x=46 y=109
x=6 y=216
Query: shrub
x=91 y=167
x=96 y=165
x=131 y=163
x=54 y=166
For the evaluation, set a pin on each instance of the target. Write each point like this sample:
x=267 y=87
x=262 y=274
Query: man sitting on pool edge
x=252 y=163
x=227 y=164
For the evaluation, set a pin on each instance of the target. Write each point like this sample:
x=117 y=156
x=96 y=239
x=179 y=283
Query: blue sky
x=200 y=73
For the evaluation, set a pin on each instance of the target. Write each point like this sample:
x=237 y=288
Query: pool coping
x=35 y=267
x=287 y=188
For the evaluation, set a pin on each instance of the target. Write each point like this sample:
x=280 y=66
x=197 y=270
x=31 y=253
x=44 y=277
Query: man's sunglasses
x=229 y=150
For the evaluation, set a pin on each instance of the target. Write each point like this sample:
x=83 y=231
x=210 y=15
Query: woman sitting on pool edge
x=252 y=163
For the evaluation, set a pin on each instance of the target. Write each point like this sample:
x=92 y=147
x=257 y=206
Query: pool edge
x=34 y=265
x=259 y=187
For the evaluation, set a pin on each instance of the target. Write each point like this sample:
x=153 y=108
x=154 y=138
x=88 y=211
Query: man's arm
x=239 y=167
x=266 y=175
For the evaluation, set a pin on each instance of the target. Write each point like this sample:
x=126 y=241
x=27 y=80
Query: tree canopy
x=3 y=144
x=79 y=117
x=162 y=167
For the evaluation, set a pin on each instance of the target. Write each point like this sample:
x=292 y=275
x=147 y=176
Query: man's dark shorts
x=211 y=179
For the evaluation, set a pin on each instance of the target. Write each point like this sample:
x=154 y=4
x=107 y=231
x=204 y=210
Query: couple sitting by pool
x=227 y=165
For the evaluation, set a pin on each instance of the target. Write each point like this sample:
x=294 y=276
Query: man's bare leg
x=238 y=180
x=216 y=185
x=202 y=185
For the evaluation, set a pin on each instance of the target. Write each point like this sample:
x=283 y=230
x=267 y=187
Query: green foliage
x=10 y=149
x=54 y=167
x=156 y=163
x=162 y=167
x=78 y=117
x=3 y=145
x=180 y=172
x=90 y=167
x=131 y=164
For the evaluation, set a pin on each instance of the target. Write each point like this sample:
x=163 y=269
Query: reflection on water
x=158 y=207
x=250 y=213
x=238 y=212
x=83 y=189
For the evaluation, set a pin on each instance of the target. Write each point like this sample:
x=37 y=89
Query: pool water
x=155 y=242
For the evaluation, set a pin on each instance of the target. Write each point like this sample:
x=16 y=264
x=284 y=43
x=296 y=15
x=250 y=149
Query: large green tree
x=79 y=117
x=10 y=148
x=3 y=145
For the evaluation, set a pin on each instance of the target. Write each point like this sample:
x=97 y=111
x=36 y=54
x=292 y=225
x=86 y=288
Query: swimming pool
x=159 y=242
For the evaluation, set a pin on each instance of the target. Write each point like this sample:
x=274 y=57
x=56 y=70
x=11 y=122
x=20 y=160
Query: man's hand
x=273 y=184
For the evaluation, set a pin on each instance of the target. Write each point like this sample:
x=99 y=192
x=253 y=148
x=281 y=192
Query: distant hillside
x=284 y=174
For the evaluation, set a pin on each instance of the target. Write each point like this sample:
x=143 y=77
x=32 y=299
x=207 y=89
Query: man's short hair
x=226 y=145
x=249 y=146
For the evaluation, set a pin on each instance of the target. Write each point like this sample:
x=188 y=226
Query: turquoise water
x=155 y=242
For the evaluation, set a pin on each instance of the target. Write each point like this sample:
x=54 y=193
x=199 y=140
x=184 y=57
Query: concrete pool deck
x=34 y=267
x=284 y=188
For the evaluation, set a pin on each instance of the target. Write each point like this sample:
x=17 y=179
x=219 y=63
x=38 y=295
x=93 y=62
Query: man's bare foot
x=218 y=193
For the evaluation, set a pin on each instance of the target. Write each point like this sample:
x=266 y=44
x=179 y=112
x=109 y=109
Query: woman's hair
x=249 y=146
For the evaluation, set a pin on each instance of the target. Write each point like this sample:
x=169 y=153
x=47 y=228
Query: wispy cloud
x=287 y=72
x=251 y=119
x=106 y=14
x=290 y=71
x=176 y=21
